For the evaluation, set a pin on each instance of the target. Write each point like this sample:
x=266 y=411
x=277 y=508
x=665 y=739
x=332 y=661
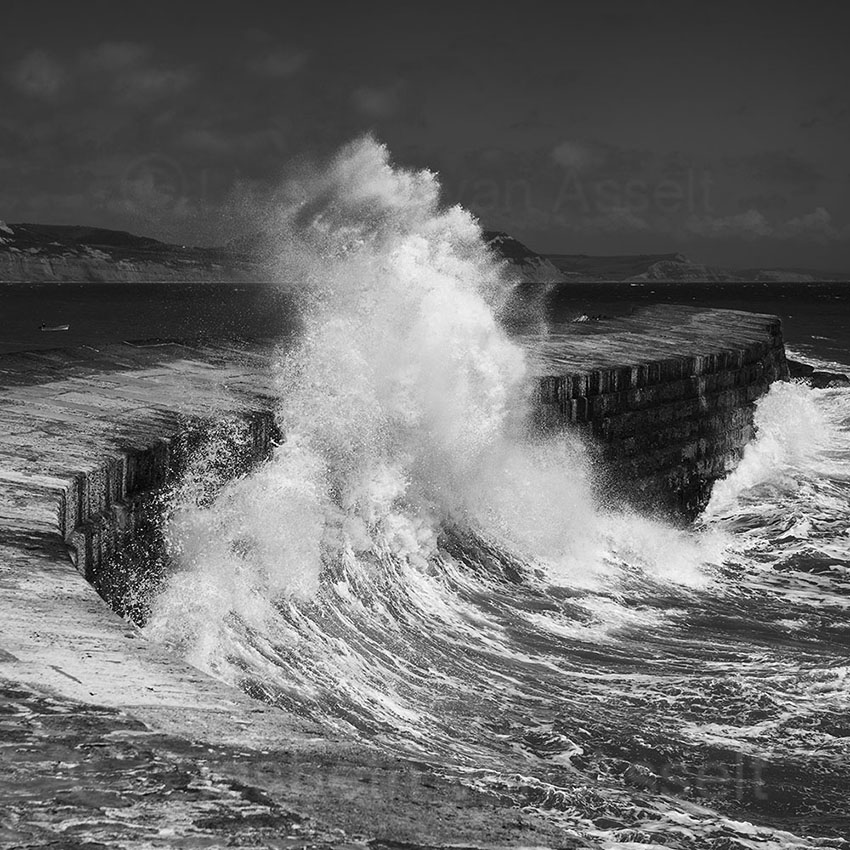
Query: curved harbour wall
x=88 y=441
x=665 y=397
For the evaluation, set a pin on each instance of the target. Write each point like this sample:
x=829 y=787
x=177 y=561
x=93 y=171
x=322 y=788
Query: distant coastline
x=33 y=253
x=677 y=267
x=37 y=253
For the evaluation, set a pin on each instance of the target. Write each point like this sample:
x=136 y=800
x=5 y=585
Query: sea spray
x=417 y=569
x=788 y=500
x=406 y=413
x=791 y=435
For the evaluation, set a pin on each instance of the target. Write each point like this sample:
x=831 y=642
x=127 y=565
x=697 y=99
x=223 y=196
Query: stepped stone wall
x=87 y=434
x=667 y=396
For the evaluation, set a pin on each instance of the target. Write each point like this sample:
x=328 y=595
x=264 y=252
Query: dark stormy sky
x=718 y=129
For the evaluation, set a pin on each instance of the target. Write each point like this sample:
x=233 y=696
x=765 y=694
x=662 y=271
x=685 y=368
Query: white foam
x=793 y=435
x=405 y=404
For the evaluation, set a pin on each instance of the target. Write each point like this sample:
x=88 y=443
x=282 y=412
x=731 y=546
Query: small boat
x=54 y=327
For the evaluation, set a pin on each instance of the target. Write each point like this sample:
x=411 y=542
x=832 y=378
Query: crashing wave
x=417 y=568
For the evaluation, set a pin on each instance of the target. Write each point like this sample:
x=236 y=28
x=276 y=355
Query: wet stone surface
x=80 y=776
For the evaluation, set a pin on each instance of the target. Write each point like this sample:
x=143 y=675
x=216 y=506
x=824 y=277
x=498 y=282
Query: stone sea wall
x=116 y=538
x=102 y=434
x=90 y=441
x=666 y=397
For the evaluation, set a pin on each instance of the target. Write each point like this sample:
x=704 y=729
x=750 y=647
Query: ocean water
x=100 y=314
x=417 y=569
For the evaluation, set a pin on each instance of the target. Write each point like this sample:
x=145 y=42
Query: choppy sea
x=415 y=569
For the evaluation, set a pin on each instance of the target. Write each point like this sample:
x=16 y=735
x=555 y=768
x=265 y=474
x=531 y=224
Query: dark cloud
x=769 y=203
x=39 y=75
x=378 y=101
x=597 y=127
x=279 y=62
x=132 y=71
x=116 y=56
x=534 y=121
x=150 y=83
x=128 y=70
x=780 y=168
x=827 y=113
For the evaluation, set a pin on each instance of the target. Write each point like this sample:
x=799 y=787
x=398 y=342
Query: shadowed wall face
x=666 y=426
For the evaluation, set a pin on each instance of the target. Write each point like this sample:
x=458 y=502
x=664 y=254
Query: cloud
x=746 y=225
x=279 y=63
x=828 y=112
x=596 y=189
x=573 y=155
x=816 y=226
x=151 y=83
x=263 y=147
x=207 y=141
x=129 y=69
x=378 y=102
x=600 y=160
x=533 y=122
x=618 y=220
x=38 y=74
x=150 y=192
x=116 y=56
x=146 y=198
x=772 y=202
x=783 y=168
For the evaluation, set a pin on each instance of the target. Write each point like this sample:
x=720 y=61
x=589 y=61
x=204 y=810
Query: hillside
x=673 y=267
x=44 y=253
x=530 y=266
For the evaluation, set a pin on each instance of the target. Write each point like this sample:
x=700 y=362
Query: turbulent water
x=416 y=568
